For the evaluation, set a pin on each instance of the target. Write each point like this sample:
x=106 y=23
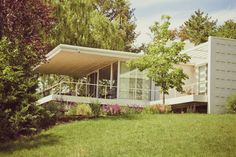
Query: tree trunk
x=163 y=98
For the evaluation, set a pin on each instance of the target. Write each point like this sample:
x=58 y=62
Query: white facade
x=222 y=72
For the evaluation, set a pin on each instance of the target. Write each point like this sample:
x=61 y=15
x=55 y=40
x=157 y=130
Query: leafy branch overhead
x=162 y=57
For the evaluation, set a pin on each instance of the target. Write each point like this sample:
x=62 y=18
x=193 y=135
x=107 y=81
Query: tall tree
x=197 y=28
x=160 y=60
x=227 y=30
x=100 y=23
x=26 y=21
x=21 y=48
x=119 y=11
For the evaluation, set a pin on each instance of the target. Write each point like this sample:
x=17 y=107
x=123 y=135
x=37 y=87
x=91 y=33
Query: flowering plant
x=111 y=109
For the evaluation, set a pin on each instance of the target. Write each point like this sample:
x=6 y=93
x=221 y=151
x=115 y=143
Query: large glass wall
x=92 y=86
x=133 y=84
x=108 y=82
x=103 y=82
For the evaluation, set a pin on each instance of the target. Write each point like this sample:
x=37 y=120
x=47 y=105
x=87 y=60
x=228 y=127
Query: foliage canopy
x=161 y=58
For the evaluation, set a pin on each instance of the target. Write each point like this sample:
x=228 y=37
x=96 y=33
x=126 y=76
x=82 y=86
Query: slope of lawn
x=133 y=136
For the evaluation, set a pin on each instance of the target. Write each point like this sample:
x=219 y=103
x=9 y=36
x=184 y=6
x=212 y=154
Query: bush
x=80 y=110
x=30 y=120
x=111 y=110
x=230 y=104
x=47 y=118
x=51 y=113
x=71 y=111
x=151 y=109
x=96 y=108
x=56 y=108
x=134 y=109
x=159 y=108
x=83 y=110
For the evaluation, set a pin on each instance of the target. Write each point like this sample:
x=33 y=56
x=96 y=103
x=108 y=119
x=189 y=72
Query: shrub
x=96 y=108
x=50 y=114
x=134 y=109
x=57 y=108
x=71 y=111
x=80 y=110
x=83 y=110
x=30 y=120
x=47 y=118
x=111 y=109
x=230 y=104
x=151 y=109
x=159 y=108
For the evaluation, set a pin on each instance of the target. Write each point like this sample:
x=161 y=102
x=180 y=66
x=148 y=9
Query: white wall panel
x=222 y=72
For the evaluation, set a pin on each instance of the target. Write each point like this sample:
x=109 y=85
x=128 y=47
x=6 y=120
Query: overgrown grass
x=133 y=136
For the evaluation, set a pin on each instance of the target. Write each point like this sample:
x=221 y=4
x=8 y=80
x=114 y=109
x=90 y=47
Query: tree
x=160 y=60
x=99 y=24
x=26 y=21
x=119 y=11
x=23 y=24
x=197 y=28
x=227 y=30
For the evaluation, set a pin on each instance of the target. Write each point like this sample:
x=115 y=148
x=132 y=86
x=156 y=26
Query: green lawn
x=134 y=136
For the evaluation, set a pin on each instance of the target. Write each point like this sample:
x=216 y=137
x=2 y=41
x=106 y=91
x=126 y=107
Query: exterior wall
x=190 y=83
x=222 y=72
x=191 y=72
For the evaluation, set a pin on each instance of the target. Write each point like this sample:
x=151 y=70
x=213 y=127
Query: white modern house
x=107 y=78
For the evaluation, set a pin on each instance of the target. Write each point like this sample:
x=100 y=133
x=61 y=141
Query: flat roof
x=198 y=54
x=78 y=61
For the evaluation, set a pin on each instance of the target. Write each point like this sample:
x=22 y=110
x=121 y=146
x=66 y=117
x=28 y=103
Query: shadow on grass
x=29 y=143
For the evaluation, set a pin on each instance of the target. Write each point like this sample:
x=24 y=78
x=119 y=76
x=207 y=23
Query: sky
x=149 y=11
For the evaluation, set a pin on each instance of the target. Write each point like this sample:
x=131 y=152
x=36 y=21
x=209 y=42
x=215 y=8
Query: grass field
x=134 y=136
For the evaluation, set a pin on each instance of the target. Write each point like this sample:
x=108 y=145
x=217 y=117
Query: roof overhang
x=78 y=61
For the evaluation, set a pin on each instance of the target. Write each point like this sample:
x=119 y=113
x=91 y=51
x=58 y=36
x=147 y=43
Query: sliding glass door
x=103 y=82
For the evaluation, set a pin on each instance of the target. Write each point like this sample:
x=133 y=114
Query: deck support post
x=111 y=76
x=118 y=80
x=97 y=93
x=76 y=89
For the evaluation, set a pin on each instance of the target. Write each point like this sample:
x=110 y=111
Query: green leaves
x=105 y=24
x=162 y=57
x=198 y=28
x=227 y=30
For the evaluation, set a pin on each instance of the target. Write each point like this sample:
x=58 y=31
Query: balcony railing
x=82 y=89
x=110 y=92
x=199 y=88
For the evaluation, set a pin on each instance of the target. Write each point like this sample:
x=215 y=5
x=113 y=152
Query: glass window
x=92 y=87
x=202 y=88
x=133 y=84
